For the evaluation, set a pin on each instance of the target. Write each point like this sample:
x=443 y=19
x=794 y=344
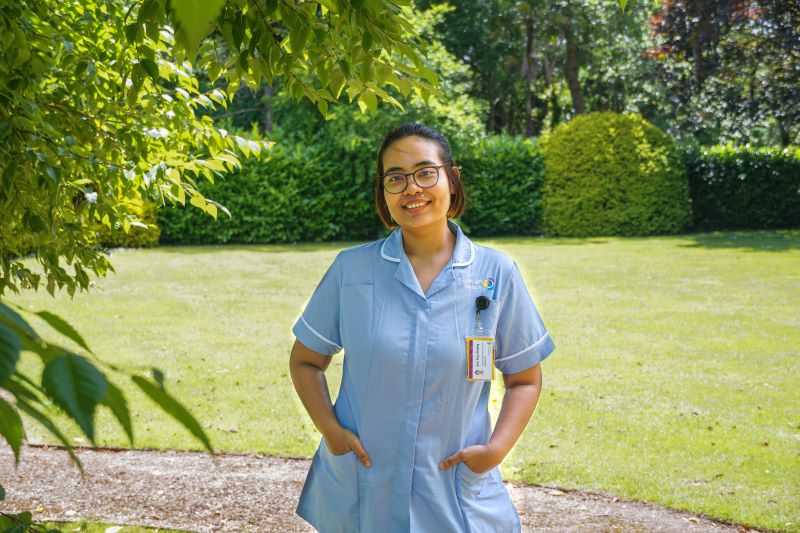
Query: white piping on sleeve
x=525 y=350
x=318 y=335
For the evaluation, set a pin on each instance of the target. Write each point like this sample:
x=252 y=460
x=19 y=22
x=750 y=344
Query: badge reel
x=480 y=349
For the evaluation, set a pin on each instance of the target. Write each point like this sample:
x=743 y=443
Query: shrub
x=611 y=174
x=503 y=176
x=301 y=193
x=739 y=187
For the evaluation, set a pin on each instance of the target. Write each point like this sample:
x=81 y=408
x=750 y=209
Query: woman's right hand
x=342 y=440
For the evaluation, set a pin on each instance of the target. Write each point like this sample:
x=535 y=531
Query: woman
x=424 y=317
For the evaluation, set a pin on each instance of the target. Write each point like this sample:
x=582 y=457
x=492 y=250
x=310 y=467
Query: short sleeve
x=318 y=327
x=521 y=338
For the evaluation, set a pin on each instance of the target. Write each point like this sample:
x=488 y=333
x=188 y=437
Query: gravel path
x=250 y=492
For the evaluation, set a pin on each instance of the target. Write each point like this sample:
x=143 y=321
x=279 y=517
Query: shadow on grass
x=192 y=249
x=747 y=240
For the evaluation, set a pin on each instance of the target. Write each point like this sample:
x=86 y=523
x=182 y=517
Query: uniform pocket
x=338 y=484
x=484 y=501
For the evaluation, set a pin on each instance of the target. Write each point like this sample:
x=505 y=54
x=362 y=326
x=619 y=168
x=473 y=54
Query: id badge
x=480 y=358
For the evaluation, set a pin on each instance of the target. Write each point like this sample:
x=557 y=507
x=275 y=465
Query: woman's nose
x=411 y=186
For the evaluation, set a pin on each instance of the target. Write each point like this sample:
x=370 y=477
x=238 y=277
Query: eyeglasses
x=426 y=177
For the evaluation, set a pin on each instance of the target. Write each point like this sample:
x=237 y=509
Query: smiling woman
x=408 y=445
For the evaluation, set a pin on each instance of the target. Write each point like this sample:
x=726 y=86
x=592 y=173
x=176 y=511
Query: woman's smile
x=415 y=206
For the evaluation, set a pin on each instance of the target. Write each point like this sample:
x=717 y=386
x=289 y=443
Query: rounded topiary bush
x=612 y=174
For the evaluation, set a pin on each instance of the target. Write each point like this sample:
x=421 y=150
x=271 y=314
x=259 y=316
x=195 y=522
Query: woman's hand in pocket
x=478 y=458
x=342 y=440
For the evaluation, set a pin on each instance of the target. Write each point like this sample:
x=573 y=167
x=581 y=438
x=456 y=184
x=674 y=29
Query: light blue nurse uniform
x=404 y=387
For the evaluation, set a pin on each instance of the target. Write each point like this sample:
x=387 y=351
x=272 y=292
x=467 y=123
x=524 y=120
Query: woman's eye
x=395 y=177
x=426 y=172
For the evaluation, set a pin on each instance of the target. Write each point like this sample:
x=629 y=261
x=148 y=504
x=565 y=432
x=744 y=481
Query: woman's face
x=416 y=207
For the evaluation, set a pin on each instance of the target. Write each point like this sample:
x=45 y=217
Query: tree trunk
x=571 y=70
x=492 y=105
x=528 y=65
x=268 y=93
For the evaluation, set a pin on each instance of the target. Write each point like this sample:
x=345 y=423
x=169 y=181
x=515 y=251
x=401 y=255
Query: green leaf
x=322 y=105
x=77 y=387
x=370 y=100
x=10 y=346
x=63 y=327
x=213 y=70
x=115 y=401
x=622 y=4
x=13 y=320
x=173 y=408
x=80 y=67
x=151 y=68
x=148 y=10
x=132 y=31
x=8 y=175
x=299 y=39
x=195 y=18
x=198 y=201
x=11 y=428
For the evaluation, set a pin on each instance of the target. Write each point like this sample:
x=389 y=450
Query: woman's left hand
x=479 y=458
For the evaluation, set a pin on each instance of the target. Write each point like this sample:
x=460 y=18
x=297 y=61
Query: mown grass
x=675 y=380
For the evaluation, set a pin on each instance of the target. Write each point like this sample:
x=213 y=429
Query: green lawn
x=675 y=380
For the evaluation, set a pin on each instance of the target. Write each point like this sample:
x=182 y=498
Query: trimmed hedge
x=739 y=187
x=611 y=174
x=301 y=193
x=617 y=175
x=323 y=193
x=503 y=176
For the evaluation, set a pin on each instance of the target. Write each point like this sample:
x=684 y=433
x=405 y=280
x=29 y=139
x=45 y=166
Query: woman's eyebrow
x=421 y=163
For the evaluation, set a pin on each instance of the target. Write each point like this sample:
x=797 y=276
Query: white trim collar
x=463 y=253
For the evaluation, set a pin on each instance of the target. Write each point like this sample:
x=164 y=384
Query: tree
x=538 y=62
x=733 y=68
x=100 y=104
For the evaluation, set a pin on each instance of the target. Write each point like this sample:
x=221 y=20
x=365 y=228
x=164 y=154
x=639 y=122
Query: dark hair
x=458 y=199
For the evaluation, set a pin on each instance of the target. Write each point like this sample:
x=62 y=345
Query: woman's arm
x=522 y=395
x=519 y=401
x=307 y=369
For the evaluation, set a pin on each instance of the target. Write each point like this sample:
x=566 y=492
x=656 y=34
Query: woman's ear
x=457 y=172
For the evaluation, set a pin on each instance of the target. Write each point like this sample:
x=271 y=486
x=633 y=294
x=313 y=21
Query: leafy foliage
x=732 y=69
x=102 y=114
x=610 y=174
x=743 y=187
x=93 y=115
x=519 y=55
